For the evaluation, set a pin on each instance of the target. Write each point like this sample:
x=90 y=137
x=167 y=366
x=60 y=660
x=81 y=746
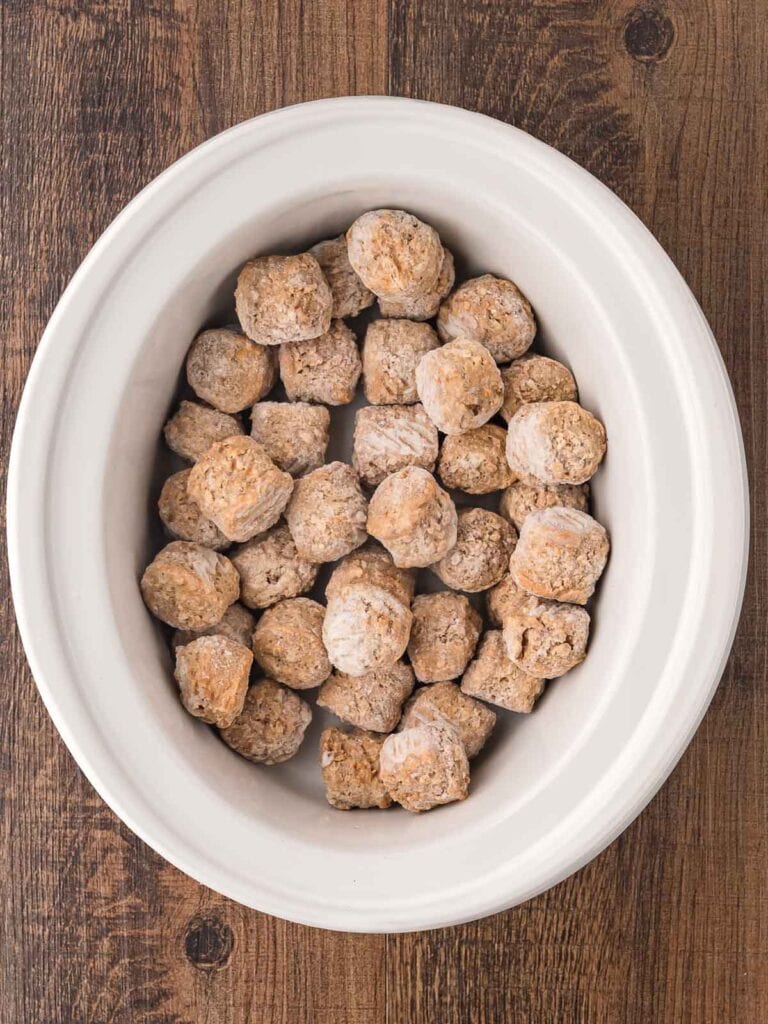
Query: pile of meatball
x=456 y=410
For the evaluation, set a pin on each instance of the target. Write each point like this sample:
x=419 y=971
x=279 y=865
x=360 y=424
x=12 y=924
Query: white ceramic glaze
x=556 y=786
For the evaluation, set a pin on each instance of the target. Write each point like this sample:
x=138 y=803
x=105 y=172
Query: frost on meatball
x=494 y=678
x=523 y=497
x=212 y=673
x=548 y=639
x=535 y=379
x=182 y=517
x=560 y=555
x=366 y=628
x=288 y=643
x=425 y=305
x=390 y=437
x=555 y=443
x=476 y=462
x=350 y=765
x=445 y=703
x=395 y=254
x=271 y=569
x=391 y=352
x=413 y=518
x=372 y=564
x=189 y=586
x=459 y=385
x=350 y=296
x=294 y=434
x=480 y=556
x=372 y=701
x=327 y=513
x=425 y=766
x=281 y=299
x=192 y=430
x=444 y=635
x=324 y=370
x=271 y=726
x=492 y=311
x=228 y=370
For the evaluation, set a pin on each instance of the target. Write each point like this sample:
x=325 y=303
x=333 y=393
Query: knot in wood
x=648 y=34
x=208 y=942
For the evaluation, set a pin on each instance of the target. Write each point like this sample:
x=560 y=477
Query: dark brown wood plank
x=97 y=98
x=659 y=101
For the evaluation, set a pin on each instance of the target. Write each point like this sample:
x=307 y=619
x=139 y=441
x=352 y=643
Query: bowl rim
x=26 y=578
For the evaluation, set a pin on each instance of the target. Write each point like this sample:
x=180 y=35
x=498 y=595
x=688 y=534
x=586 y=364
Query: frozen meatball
x=288 y=643
x=228 y=370
x=425 y=766
x=493 y=677
x=555 y=443
x=480 y=556
x=413 y=518
x=372 y=564
x=194 y=428
x=491 y=311
x=535 y=379
x=445 y=703
x=271 y=727
x=560 y=555
x=506 y=599
x=372 y=701
x=390 y=437
x=239 y=487
x=459 y=386
x=182 y=517
x=212 y=673
x=324 y=370
x=444 y=635
x=350 y=765
x=522 y=498
x=391 y=352
x=395 y=253
x=476 y=462
x=548 y=639
x=271 y=569
x=283 y=298
x=425 y=305
x=237 y=624
x=350 y=296
x=294 y=434
x=189 y=586
x=365 y=628
x=327 y=513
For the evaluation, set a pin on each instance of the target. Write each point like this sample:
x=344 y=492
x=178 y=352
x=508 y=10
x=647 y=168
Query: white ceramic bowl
x=558 y=785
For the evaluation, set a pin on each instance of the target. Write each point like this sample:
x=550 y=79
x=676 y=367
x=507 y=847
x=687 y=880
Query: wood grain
x=660 y=100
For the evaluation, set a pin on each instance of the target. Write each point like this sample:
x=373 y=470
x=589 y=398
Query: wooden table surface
x=659 y=99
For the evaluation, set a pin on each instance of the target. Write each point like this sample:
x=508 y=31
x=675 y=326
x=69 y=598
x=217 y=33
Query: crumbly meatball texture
x=423 y=306
x=228 y=370
x=521 y=498
x=239 y=487
x=395 y=253
x=547 y=640
x=425 y=766
x=535 y=379
x=494 y=678
x=476 y=462
x=271 y=727
x=372 y=564
x=192 y=430
x=237 y=624
x=413 y=518
x=492 y=311
x=372 y=701
x=459 y=385
x=327 y=513
x=281 y=299
x=350 y=765
x=189 y=586
x=390 y=437
x=366 y=628
x=480 y=556
x=350 y=296
x=444 y=635
x=506 y=599
x=212 y=673
x=391 y=352
x=293 y=434
x=271 y=569
x=561 y=555
x=445 y=703
x=288 y=643
x=555 y=443
x=182 y=517
x=324 y=370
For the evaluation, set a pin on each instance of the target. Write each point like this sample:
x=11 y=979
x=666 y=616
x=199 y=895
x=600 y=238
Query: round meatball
x=413 y=518
x=425 y=766
x=476 y=462
x=212 y=673
x=506 y=599
x=182 y=517
x=294 y=434
x=271 y=569
x=535 y=379
x=395 y=253
x=327 y=513
x=521 y=498
x=390 y=437
x=271 y=727
x=288 y=643
x=480 y=556
x=445 y=703
x=494 y=678
x=548 y=639
x=372 y=701
x=283 y=298
x=189 y=586
x=350 y=296
x=194 y=428
x=423 y=306
x=366 y=628
x=372 y=564
x=228 y=370
x=492 y=311
x=391 y=352
x=324 y=370
x=444 y=635
x=555 y=443
x=350 y=765
x=459 y=385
